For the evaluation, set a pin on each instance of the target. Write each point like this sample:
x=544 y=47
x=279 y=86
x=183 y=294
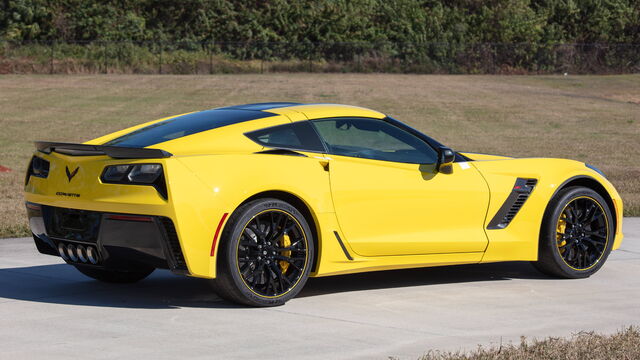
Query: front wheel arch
x=590 y=183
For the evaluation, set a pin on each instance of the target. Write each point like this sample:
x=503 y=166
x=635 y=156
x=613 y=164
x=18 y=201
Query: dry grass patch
x=595 y=119
x=624 y=344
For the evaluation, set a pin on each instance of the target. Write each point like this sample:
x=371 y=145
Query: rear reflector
x=130 y=218
x=33 y=206
x=215 y=237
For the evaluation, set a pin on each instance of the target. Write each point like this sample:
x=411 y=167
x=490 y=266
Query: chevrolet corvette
x=260 y=197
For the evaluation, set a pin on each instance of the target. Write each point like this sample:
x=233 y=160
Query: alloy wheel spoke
x=289 y=260
x=577 y=213
x=274 y=224
x=281 y=228
x=596 y=216
x=597 y=234
x=257 y=271
x=270 y=283
x=579 y=257
x=276 y=270
x=571 y=219
x=251 y=234
x=587 y=257
x=589 y=214
x=292 y=247
x=247 y=243
x=593 y=242
x=258 y=225
x=247 y=270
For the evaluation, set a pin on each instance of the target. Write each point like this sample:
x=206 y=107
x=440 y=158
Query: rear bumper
x=122 y=241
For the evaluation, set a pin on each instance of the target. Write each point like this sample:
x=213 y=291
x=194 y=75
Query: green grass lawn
x=595 y=119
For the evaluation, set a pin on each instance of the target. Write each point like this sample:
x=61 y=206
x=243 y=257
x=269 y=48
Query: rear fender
x=303 y=177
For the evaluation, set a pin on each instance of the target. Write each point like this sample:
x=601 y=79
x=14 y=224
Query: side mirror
x=446 y=157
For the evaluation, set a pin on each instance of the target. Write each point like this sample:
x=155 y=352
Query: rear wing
x=116 y=152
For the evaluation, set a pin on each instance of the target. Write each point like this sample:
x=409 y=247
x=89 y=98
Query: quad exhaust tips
x=62 y=250
x=92 y=255
x=71 y=253
x=82 y=253
x=79 y=253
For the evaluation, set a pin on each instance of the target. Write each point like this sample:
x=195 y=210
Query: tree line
x=426 y=36
x=408 y=21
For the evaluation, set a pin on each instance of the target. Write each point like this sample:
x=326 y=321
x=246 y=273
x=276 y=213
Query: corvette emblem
x=71 y=174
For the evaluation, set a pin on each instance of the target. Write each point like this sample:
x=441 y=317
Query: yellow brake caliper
x=561 y=228
x=284 y=242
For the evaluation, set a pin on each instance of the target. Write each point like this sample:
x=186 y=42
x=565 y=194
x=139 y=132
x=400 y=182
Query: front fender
x=519 y=240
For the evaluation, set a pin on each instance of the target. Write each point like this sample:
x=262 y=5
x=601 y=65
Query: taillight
x=136 y=174
x=38 y=167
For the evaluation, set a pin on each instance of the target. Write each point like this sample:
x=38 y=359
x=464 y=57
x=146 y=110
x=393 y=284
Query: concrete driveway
x=48 y=309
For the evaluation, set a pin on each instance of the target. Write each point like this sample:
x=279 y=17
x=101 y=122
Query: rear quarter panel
x=229 y=180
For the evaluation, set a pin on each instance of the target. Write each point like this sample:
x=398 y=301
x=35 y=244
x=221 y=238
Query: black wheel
x=115 y=276
x=577 y=234
x=265 y=254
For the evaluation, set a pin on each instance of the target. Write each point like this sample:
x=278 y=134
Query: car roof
x=309 y=111
x=255 y=116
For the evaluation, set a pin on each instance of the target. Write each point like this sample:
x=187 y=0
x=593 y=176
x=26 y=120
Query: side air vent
x=519 y=195
x=281 y=152
x=173 y=244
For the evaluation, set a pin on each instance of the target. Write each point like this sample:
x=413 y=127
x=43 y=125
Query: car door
x=388 y=198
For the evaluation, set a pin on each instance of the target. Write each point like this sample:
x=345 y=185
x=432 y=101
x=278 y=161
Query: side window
x=373 y=139
x=298 y=135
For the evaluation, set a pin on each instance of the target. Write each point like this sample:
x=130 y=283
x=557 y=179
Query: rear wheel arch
x=299 y=204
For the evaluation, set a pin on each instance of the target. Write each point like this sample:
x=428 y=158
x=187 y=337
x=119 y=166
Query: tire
x=254 y=266
x=575 y=241
x=114 y=276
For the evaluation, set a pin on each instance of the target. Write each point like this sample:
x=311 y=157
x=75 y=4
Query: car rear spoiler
x=116 y=152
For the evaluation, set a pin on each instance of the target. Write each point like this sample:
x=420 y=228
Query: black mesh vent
x=531 y=182
x=174 y=244
x=519 y=195
x=514 y=208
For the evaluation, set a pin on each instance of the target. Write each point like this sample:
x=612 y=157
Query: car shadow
x=62 y=284
x=420 y=277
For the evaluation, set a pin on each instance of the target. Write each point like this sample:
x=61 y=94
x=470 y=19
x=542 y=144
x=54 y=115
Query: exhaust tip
x=92 y=255
x=82 y=255
x=62 y=250
x=71 y=252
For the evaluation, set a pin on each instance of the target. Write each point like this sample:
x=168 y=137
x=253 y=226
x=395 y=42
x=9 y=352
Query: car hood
x=480 y=157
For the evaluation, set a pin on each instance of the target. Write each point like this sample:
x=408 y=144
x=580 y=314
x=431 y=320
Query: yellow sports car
x=259 y=197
